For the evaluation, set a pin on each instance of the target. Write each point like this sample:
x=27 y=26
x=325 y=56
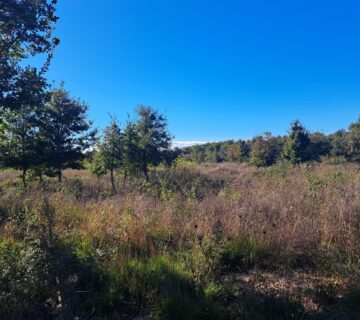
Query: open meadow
x=154 y=162
x=224 y=241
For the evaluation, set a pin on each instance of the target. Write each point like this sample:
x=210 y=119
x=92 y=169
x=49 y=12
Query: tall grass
x=164 y=247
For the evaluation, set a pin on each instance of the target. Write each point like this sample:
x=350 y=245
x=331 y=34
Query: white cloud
x=183 y=144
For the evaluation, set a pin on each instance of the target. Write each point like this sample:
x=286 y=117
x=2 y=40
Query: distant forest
x=297 y=147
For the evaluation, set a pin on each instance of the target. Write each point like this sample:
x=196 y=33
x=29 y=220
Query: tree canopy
x=26 y=28
x=296 y=149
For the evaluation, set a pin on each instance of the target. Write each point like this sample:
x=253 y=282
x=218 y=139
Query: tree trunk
x=112 y=180
x=24 y=178
x=145 y=170
x=125 y=177
x=59 y=175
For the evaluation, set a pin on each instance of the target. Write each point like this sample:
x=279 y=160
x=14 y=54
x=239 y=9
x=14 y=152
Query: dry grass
x=303 y=210
x=280 y=218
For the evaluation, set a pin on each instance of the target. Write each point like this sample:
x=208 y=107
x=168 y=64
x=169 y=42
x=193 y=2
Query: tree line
x=298 y=146
x=47 y=131
x=44 y=129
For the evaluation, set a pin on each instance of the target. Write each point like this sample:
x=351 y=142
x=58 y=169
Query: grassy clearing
x=210 y=242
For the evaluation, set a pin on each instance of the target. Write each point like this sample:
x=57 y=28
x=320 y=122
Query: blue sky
x=218 y=69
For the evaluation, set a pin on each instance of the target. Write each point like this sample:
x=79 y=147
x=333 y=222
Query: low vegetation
x=225 y=241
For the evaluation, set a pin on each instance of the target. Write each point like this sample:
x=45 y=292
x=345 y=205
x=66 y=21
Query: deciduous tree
x=111 y=148
x=21 y=141
x=25 y=30
x=67 y=131
x=353 y=141
x=153 y=137
x=264 y=150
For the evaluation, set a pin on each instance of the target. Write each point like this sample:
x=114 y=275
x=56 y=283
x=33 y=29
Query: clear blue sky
x=219 y=69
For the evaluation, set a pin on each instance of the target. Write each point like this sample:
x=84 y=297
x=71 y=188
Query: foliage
x=111 y=149
x=353 y=141
x=296 y=149
x=319 y=146
x=153 y=137
x=265 y=150
x=25 y=30
x=97 y=165
x=338 y=143
x=22 y=140
x=67 y=132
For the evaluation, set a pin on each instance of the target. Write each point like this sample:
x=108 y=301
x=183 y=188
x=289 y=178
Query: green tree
x=97 y=165
x=67 y=132
x=353 y=142
x=296 y=148
x=153 y=137
x=319 y=146
x=264 y=150
x=170 y=155
x=111 y=148
x=234 y=152
x=25 y=30
x=339 y=143
x=239 y=151
x=21 y=141
x=132 y=152
x=197 y=153
x=212 y=153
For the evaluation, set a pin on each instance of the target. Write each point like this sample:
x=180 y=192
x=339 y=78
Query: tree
x=234 y=152
x=296 y=148
x=212 y=153
x=67 y=132
x=197 y=153
x=132 y=153
x=319 y=146
x=264 y=150
x=111 y=148
x=353 y=142
x=21 y=141
x=238 y=151
x=170 y=155
x=153 y=137
x=339 y=143
x=97 y=165
x=25 y=31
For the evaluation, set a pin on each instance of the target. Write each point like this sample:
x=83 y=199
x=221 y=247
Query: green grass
x=246 y=252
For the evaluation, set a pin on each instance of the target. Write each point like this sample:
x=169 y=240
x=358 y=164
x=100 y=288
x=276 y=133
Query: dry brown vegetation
x=211 y=224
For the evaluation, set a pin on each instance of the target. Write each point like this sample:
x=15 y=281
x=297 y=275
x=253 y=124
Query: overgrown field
x=212 y=242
